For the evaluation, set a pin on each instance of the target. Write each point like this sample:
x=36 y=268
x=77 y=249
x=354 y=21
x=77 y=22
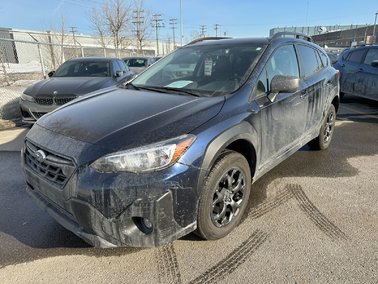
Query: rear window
x=137 y=62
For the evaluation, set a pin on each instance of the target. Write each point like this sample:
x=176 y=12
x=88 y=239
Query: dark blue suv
x=359 y=72
x=179 y=148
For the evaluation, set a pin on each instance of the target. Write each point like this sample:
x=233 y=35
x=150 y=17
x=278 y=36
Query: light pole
x=181 y=22
x=375 y=22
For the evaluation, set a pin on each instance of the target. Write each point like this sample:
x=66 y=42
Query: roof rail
x=206 y=38
x=292 y=34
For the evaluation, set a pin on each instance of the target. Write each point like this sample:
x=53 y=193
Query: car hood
x=67 y=86
x=122 y=119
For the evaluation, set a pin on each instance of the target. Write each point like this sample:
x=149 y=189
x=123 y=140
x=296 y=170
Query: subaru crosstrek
x=178 y=148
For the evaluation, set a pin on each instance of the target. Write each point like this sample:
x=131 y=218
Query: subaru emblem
x=40 y=156
x=55 y=93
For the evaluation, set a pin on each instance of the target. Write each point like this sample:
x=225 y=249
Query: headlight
x=26 y=97
x=147 y=158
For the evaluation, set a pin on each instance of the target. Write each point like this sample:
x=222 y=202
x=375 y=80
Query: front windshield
x=204 y=70
x=84 y=69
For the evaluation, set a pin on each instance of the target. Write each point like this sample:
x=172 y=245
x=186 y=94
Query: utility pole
x=157 y=23
x=202 y=30
x=173 y=23
x=138 y=21
x=216 y=28
x=73 y=31
x=374 y=35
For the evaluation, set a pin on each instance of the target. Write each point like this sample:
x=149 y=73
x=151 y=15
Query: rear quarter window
x=356 y=56
x=372 y=55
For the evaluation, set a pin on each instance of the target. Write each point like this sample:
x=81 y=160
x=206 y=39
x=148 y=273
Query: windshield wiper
x=130 y=84
x=167 y=90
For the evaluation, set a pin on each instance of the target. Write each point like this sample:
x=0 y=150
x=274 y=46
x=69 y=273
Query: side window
x=356 y=56
x=282 y=62
x=309 y=60
x=371 y=55
x=320 y=62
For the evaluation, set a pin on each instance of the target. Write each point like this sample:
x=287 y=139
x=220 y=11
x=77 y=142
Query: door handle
x=303 y=94
x=360 y=69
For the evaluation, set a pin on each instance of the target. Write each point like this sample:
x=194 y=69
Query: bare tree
x=99 y=24
x=117 y=16
x=53 y=42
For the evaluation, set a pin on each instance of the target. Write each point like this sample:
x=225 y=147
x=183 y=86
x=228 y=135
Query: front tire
x=224 y=196
x=324 y=139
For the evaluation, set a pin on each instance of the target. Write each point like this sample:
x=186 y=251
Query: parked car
x=73 y=79
x=333 y=57
x=138 y=64
x=173 y=152
x=359 y=72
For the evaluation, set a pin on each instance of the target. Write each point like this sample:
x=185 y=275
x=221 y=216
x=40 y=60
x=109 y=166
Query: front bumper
x=93 y=227
x=111 y=209
x=31 y=111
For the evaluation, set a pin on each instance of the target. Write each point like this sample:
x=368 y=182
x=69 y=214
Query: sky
x=237 y=18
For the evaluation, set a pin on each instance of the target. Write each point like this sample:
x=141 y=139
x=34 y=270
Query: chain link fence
x=32 y=60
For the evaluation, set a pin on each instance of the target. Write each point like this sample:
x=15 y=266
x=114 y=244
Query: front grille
x=63 y=100
x=44 y=101
x=49 y=166
x=39 y=114
x=48 y=101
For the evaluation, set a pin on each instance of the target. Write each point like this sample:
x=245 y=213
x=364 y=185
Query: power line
x=157 y=22
x=73 y=31
x=202 y=30
x=173 y=23
x=216 y=28
x=138 y=21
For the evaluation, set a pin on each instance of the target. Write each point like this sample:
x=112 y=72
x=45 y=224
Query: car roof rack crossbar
x=292 y=34
x=206 y=38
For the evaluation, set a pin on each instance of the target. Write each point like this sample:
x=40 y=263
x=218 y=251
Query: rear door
x=367 y=77
x=351 y=68
x=283 y=121
x=317 y=85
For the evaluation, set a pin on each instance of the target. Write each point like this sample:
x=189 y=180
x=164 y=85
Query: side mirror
x=51 y=73
x=374 y=63
x=283 y=84
x=118 y=73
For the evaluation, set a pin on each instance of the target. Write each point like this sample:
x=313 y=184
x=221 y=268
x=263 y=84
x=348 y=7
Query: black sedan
x=74 y=78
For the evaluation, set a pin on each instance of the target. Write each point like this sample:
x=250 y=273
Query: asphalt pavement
x=312 y=219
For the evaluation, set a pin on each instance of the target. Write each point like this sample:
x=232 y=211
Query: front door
x=283 y=120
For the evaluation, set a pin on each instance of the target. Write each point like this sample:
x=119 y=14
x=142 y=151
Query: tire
x=221 y=206
x=324 y=139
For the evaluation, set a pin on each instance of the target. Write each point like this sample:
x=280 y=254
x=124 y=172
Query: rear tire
x=224 y=196
x=324 y=139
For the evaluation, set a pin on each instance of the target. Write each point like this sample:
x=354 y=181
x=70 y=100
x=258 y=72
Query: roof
x=228 y=41
x=237 y=41
x=94 y=58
